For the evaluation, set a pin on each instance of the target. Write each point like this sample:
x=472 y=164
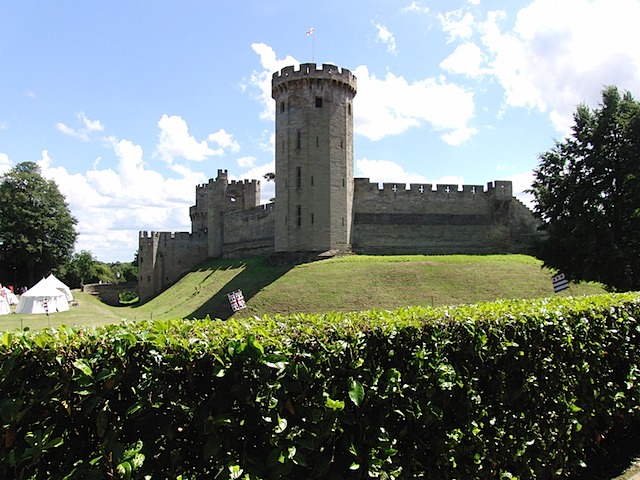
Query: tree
x=37 y=230
x=587 y=194
x=80 y=269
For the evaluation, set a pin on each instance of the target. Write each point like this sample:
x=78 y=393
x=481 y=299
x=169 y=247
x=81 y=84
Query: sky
x=128 y=105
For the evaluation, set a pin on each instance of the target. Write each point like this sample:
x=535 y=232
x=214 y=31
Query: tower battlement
x=328 y=72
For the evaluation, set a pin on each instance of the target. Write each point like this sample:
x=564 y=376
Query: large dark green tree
x=37 y=230
x=587 y=194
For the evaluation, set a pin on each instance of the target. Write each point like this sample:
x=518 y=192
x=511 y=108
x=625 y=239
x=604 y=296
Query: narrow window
x=317 y=141
x=318 y=102
x=282 y=107
x=299 y=215
x=298 y=177
x=349 y=109
x=312 y=219
x=340 y=143
x=298 y=140
x=312 y=180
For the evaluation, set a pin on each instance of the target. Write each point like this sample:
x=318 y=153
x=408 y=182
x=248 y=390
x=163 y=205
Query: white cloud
x=415 y=7
x=458 y=24
x=391 y=105
x=246 y=162
x=385 y=36
x=466 y=59
x=83 y=133
x=261 y=80
x=459 y=136
x=176 y=141
x=224 y=140
x=560 y=54
x=90 y=125
x=5 y=163
x=111 y=206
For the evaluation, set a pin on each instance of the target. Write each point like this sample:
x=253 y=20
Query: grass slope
x=355 y=282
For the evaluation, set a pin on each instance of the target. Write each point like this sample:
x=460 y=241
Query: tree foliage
x=587 y=190
x=37 y=230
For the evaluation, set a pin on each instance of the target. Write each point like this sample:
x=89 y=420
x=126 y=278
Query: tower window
x=298 y=177
x=312 y=219
x=349 y=109
x=312 y=180
x=282 y=106
x=298 y=140
x=318 y=102
x=317 y=141
x=299 y=215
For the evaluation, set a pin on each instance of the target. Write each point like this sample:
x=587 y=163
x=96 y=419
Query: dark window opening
x=298 y=140
x=349 y=108
x=298 y=177
x=318 y=102
x=317 y=141
x=312 y=180
x=312 y=219
x=299 y=215
x=282 y=106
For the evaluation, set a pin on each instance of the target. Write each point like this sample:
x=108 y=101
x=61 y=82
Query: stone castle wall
x=444 y=219
x=249 y=233
x=163 y=257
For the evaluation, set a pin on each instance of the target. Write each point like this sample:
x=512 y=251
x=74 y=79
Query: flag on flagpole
x=310 y=31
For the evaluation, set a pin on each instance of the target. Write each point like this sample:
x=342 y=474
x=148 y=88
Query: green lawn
x=355 y=282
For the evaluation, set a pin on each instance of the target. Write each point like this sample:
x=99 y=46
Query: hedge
x=511 y=389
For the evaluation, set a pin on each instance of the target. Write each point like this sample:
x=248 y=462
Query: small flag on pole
x=310 y=31
x=560 y=282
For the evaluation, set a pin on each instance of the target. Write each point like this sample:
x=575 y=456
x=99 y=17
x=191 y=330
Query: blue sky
x=128 y=105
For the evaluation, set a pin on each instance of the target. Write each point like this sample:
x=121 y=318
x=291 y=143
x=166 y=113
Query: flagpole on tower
x=313 y=44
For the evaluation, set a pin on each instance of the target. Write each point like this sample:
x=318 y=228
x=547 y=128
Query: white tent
x=4 y=306
x=42 y=298
x=60 y=286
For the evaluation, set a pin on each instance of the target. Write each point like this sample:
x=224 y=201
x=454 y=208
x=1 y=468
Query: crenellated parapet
x=290 y=76
x=499 y=189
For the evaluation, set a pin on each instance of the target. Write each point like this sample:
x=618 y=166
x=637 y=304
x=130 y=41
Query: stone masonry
x=320 y=208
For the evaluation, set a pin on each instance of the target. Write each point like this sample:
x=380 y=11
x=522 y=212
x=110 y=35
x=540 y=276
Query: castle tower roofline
x=311 y=70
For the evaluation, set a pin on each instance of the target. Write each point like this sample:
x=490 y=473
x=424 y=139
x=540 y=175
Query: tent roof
x=43 y=289
x=55 y=281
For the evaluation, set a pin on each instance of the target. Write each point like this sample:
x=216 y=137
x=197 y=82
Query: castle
x=320 y=208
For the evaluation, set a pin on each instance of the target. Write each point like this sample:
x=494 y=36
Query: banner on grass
x=560 y=282
x=236 y=299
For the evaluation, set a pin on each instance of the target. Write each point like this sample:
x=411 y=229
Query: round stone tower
x=314 y=158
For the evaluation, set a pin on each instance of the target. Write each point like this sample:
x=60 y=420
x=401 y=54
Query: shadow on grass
x=256 y=275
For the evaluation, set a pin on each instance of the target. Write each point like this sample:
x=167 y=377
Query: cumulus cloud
x=176 y=141
x=224 y=140
x=391 y=105
x=112 y=205
x=457 y=24
x=83 y=133
x=560 y=54
x=467 y=59
x=261 y=79
x=5 y=163
x=385 y=36
x=416 y=7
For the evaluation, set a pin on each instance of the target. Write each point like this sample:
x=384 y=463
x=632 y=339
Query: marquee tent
x=60 y=286
x=42 y=298
x=4 y=306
